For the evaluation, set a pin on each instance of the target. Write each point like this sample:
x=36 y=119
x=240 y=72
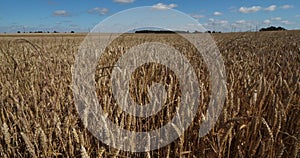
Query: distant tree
x=48 y=32
x=273 y=28
x=156 y=31
x=19 y=32
x=55 y=31
x=72 y=31
x=280 y=28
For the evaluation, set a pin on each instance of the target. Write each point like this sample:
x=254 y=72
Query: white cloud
x=297 y=16
x=211 y=20
x=161 y=6
x=197 y=16
x=277 y=18
x=124 y=1
x=287 y=6
x=252 y=9
x=268 y=22
x=97 y=10
x=217 y=13
x=217 y=25
x=286 y=22
x=222 y=22
x=241 y=22
x=244 y=25
x=216 y=21
x=61 y=13
x=271 y=8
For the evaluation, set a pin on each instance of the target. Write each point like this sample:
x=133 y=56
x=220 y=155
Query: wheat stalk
x=5 y=131
x=268 y=127
x=43 y=140
x=29 y=145
x=83 y=152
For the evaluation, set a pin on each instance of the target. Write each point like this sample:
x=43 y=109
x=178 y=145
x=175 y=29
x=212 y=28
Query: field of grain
x=260 y=117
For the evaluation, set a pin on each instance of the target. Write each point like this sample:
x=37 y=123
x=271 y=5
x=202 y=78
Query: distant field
x=260 y=117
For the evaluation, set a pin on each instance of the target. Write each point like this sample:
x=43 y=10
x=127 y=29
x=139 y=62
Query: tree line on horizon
x=45 y=32
x=271 y=28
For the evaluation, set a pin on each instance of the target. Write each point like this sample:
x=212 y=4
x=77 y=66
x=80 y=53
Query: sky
x=84 y=15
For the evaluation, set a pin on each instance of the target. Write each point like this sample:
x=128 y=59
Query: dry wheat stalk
x=268 y=127
x=75 y=135
x=70 y=144
x=254 y=149
x=254 y=97
x=29 y=145
x=115 y=153
x=101 y=152
x=168 y=151
x=5 y=131
x=43 y=140
x=81 y=138
x=83 y=152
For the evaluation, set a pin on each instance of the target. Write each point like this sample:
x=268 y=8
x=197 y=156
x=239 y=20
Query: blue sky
x=83 y=15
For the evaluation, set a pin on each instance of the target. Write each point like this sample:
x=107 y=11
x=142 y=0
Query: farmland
x=260 y=116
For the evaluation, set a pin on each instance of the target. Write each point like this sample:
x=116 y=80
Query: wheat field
x=260 y=116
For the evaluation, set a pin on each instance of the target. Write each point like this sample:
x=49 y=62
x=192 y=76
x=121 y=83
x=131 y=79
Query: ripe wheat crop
x=260 y=117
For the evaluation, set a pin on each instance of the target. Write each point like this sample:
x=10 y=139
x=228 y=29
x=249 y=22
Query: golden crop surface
x=260 y=117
